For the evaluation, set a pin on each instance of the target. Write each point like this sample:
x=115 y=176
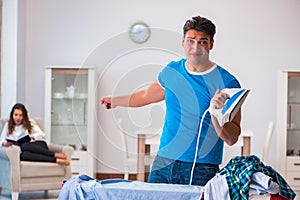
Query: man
x=188 y=87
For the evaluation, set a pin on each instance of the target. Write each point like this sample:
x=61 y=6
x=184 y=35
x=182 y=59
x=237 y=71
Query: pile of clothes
x=247 y=176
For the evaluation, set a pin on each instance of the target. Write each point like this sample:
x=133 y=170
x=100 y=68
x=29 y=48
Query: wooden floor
x=38 y=195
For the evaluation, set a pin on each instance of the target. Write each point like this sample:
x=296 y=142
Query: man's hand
x=107 y=102
x=219 y=99
x=230 y=132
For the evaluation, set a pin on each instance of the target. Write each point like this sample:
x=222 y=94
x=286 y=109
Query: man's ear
x=212 y=44
x=182 y=42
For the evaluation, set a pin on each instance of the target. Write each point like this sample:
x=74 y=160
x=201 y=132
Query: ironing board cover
x=85 y=187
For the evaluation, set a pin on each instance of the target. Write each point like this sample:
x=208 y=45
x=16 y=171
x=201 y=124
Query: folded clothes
x=263 y=184
x=217 y=187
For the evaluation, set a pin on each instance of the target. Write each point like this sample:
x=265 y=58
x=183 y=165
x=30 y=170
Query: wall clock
x=139 y=32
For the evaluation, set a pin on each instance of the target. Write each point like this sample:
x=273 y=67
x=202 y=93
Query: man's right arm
x=154 y=93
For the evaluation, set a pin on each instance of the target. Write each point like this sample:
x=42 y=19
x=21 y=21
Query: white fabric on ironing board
x=263 y=184
x=217 y=187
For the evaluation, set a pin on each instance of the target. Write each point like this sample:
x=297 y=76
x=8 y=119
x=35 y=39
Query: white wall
x=9 y=55
x=254 y=40
x=13 y=54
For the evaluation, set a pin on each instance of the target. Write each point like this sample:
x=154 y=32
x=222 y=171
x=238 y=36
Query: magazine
x=23 y=137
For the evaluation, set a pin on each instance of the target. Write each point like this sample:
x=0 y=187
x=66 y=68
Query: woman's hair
x=25 y=122
x=200 y=24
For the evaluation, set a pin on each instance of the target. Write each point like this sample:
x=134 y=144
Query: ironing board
x=84 y=187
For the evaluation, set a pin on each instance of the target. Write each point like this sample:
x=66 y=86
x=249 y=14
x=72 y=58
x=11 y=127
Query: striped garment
x=239 y=171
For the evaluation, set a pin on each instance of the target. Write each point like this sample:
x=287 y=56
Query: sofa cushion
x=41 y=169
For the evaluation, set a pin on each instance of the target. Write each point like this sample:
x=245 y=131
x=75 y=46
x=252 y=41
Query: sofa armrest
x=10 y=161
x=13 y=154
x=62 y=149
x=68 y=150
x=56 y=148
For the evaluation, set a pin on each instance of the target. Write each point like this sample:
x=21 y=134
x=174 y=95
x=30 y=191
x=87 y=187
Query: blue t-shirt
x=187 y=96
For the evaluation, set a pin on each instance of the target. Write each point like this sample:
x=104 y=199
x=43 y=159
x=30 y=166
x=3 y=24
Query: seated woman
x=34 y=150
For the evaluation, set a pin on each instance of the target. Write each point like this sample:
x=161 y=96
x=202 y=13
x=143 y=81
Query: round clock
x=139 y=32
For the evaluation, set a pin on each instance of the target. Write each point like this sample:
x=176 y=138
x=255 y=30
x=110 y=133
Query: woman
x=34 y=150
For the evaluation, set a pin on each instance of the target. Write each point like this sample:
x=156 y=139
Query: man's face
x=196 y=46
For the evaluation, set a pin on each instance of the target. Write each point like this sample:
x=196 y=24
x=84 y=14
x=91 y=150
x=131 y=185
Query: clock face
x=139 y=32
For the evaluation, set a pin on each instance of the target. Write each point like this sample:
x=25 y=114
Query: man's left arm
x=231 y=131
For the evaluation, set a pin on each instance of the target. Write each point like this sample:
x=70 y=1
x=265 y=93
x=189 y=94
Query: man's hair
x=200 y=24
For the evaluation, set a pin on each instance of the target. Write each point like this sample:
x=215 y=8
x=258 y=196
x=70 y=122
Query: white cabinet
x=69 y=113
x=79 y=162
x=289 y=126
x=293 y=171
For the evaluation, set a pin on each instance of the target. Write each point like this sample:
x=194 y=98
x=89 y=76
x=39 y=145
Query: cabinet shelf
x=68 y=124
x=67 y=98
x=293 y=103
x=293 y=129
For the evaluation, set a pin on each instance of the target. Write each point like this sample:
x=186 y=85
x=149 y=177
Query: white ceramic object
x=58 y=95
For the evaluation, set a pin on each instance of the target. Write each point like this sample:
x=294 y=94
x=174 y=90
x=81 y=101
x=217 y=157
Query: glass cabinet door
x=69 y=113
x=69 y=107
x=293 y=112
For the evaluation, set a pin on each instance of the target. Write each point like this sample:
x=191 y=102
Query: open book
x=23 y=137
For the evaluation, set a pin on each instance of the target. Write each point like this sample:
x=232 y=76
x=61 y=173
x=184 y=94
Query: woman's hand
x=7 y=144
x=31 y=136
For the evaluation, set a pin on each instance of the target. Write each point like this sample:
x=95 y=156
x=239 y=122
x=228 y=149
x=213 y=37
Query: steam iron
x=236 y=97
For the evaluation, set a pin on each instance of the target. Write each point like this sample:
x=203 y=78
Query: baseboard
x=101 y=176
